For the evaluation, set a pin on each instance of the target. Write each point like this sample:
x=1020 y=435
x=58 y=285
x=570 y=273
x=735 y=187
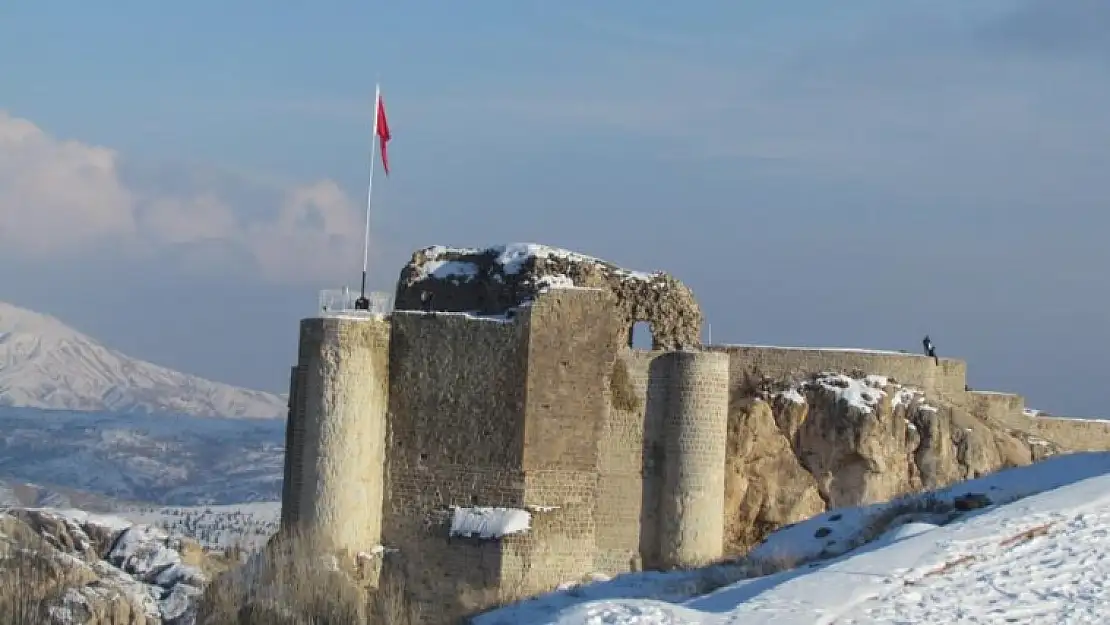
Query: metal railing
x=342 y=302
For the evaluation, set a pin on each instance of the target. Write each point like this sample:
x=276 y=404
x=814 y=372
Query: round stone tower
x=341 y=398
x=695 y=432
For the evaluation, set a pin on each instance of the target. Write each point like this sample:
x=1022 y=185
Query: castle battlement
x=948 y=376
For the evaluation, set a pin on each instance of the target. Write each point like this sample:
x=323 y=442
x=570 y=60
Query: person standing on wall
x=930 y=349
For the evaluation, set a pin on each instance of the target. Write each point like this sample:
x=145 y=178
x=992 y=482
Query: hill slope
x=46 y=364
x=1045 y=558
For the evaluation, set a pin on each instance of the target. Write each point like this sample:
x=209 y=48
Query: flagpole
x=362 y=302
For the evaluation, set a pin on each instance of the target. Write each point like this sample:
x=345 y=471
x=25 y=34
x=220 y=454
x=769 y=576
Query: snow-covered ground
x=247 y=525
x=181 y=461
x=1044 y=558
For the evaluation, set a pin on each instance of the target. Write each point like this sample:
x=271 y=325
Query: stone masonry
x=517 y=389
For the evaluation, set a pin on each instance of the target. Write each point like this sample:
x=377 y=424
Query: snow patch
x=876 y=381
x=143 y=552
x=793 y=395
x=484 y=522
x=444 y=269
x=511 y=258
x=80 y=517
x=859 y=394
x=555 y=282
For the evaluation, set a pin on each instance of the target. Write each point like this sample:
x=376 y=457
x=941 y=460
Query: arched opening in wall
x=640 y=335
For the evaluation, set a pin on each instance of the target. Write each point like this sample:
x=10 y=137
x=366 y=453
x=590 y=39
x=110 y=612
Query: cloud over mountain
x=62 y=198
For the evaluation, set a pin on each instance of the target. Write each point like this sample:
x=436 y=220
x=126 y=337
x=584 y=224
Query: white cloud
x=177 y=221
x=313 y=235
x=64 y=199
x=56 y=195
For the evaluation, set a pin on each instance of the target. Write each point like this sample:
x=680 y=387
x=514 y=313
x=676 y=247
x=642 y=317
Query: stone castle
x=496 y=434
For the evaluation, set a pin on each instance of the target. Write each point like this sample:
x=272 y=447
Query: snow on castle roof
x=443 y=262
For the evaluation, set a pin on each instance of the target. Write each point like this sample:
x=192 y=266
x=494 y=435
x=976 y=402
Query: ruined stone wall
x=1008 y=409
x=572 y=345
x=1076 y=434
x=1004 y=408
x=948 y=381
x=695 y=434
x=457 y=397
x=342 y=394
x=493 y=280
x=949 y=377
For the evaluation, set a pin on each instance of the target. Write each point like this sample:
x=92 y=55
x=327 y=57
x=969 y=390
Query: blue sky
x=179 y=180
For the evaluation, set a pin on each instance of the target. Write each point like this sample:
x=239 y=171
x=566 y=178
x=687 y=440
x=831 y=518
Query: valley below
x=101 y=461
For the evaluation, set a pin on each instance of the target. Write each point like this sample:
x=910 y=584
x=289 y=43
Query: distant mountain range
x=96 y=460
x=48 y=365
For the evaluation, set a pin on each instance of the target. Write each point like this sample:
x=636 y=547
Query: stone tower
x=508 y=439
x=337 y=428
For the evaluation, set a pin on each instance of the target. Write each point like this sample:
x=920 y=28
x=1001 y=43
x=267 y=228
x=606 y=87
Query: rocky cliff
x=800 y=447
x=69 y=567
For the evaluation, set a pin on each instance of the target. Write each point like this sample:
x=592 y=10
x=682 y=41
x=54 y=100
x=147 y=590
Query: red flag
x=382 y=128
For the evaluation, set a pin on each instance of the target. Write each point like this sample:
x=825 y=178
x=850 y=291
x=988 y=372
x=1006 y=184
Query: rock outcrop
x=495 y=280
x=799 y=448
x=68 y=567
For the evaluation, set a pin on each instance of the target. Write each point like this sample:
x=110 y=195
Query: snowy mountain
x=46 y=364
x=1024 y=545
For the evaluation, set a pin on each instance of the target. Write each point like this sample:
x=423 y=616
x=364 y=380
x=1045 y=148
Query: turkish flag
x=382 y=127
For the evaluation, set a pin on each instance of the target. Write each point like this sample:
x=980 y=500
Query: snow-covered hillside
x=247 y=526
x=1044 y=558
x=19 y=493
x=136 y=458
x=46 y=364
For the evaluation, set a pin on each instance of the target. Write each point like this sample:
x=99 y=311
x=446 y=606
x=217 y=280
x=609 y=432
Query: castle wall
x=456 y=405
x=630 y=455
x=949 y=377
x=1005 y=408
x=572 y=345
x=1075 y=434
x=1008 y=409
x=618 y=454
x=695 y=434
x=342 y=393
